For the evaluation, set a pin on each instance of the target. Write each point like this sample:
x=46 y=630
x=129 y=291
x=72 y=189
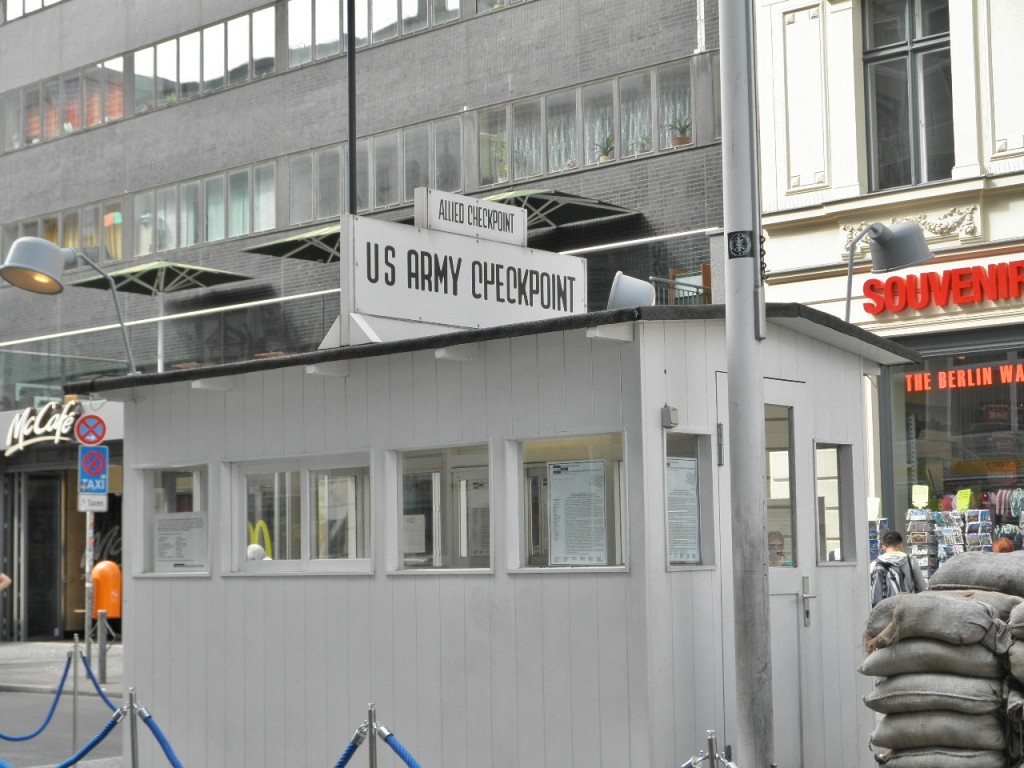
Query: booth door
x=792 y=571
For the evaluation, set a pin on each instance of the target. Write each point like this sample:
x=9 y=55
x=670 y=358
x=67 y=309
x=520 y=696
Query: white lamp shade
x=901 y=245
x=630 y=292
x=36 y=265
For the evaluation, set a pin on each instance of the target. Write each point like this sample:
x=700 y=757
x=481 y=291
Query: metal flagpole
x=744 y=327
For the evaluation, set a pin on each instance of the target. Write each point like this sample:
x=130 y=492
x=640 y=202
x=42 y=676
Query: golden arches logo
x=258 y=531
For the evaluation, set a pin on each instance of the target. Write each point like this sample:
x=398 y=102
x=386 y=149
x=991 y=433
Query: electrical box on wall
x=669 y=417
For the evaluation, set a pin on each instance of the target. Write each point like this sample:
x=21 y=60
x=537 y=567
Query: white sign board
x=683 y=505
x=576 y=513
x=470 y=216
x=179 y=542
x=427 y=276
x=92 y=502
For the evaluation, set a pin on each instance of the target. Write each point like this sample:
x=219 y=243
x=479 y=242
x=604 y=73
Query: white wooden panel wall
x=497 y=669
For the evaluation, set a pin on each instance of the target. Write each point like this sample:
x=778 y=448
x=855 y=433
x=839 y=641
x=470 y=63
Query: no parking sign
x=93 y=465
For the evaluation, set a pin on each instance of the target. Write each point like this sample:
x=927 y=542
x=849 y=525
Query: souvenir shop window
x=305 y=517
x=446 y=508
x=833 y=468
x=689 y=516
x=573 y=502
x=176 y=523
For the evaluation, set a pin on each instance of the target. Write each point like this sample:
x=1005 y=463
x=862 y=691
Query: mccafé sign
x=961 y=286
x=53 y=423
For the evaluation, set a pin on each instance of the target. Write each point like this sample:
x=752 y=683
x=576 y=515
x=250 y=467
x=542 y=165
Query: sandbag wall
x=949 y=667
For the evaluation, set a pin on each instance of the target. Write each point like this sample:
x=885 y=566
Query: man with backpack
x=894 y=571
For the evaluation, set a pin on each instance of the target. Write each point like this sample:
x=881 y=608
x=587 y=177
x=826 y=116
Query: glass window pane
x=238 y=50
x=214 y=191
x=144 y=70
x=300 y=189
x=264 y=199
x=188 y=48
x=683 y=501
x=328 y=28
x=887 y=22
x=50 y=228
x=113 y=70
x=273 y=519
x=13 y=128
x=934 y=17
x=830 y=483
x=91 y=231
x=448 y=155
x=72 y=118
x=70 y=232
x=51 y=109
x=445 y=11
x=936 y=93
x=33 y=129
x=213 y=58
x=417 y=158
x=263 y=42
x=778 y=424
x=527 y=140
x=573 y=501
x=176 y=513
x=300 y=32
x=493 y=141
x=384 y=15
x=339 y=514
x=890 y=116
x=599 y=122
x=362 y=174
x=414 y=15
x=387 y=183
x=446 y=510
x=190 y=214
x=675 y=108
x=238 y=203
x=167 y=72
x=635 y=115
x=328 y=183
x=563 y=144
x=144 y=239
x=166 y=218
x=112 y=231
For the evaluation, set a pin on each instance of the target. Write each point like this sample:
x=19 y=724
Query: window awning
x=315 y=245
x=158 y=277
x=551 y=208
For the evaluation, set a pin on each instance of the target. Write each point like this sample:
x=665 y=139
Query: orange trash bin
x=106 y=589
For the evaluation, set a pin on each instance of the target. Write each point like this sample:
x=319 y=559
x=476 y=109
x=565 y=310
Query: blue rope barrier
x=95 y=740
x=357 y=739
x=5 y=765
x=49 y=716
x=391 y=741
x=164 y=744
x=96 y=684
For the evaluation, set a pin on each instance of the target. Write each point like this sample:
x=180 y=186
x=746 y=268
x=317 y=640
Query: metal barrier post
x=101 y=637
x=373 y=735
x=712 y=750
x=133 y=729
x=74 y=701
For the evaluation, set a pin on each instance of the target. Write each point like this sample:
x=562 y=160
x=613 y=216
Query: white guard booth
x=513 y=541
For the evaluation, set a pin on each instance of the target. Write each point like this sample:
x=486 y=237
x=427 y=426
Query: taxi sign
x=93 y=472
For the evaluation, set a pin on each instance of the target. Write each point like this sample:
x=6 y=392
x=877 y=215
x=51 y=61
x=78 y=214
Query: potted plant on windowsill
x=680 y=128
x=605 y=149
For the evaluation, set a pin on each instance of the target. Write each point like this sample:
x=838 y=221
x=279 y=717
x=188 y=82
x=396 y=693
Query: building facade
x=192 y=132
x=895 y=111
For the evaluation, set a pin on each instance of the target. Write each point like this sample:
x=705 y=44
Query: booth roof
x=798 y=317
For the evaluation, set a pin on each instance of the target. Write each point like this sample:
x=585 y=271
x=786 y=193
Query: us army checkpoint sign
x=93 y=462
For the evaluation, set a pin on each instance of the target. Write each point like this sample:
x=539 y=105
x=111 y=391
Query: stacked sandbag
x=940 y=662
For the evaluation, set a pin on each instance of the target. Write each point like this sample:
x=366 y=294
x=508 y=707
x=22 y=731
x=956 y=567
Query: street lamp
x=901 y=245
x=36 y=265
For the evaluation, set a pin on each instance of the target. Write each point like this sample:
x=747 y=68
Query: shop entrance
x=36 y=538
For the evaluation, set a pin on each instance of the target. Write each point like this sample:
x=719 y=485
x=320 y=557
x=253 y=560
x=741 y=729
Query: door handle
x=807 y=596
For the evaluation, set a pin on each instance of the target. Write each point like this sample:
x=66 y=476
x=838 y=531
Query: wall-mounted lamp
x=37 y=265
x=901 y=245
x=629 y=291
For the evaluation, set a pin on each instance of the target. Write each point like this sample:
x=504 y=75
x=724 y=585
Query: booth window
x=688 y=511
x=833 y=465
x=446 y=508
x=305 y=516
x=778 y=424
x=176 y=523
x=573 y=501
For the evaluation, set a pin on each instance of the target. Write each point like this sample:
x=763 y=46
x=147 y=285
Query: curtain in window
x=635 y=115
x=300 y=189
x=387 y=184
x=214 y=189
x=238 y=203
x=190 y=214
x=264 y=215
x=328 y=183
x=563 y=149
x=448 y=155
x=144 y=238
x=674 y=107
x=112 y=227
x=69 y=232
x=417 y=159
x=493 y=148
x=166 y=218
x=527 y=140
x=598 y=122
x=362 y=174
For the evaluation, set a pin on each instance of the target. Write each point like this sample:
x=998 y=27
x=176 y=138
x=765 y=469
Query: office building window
x=599 y=123
x=238 y=203
x=635 y=110
x=113 y=227
x=327 y=28
x=145 y=242
x=166 y=214
x=72 y=116
x=573 y=501
x=493 y=146
x=166 y=84
x=213 y=189
x=213 y=58
x=300 y=189
x=416 y=142
x=445 y=11
x=563 y=145
x=191 y=214
x=144 y=64
x=675 y=106
x=328 y=183
x=527 y=139
x=446 y=508
x=300 y=32
x=448 y=155
x=238 y=50
x=415 y=15
x=264 y=42
x=386 y=171
x=264 y=197
x=190 y=68
x=909 y=92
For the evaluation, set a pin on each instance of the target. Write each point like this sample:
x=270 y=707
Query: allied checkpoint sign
x=428 y=276
x=93 y=474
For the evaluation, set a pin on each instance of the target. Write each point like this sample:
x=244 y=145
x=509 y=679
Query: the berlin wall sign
x=465 y=215
x=429 y=276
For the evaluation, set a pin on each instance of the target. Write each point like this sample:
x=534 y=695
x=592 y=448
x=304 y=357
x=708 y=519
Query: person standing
x=895 y=571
